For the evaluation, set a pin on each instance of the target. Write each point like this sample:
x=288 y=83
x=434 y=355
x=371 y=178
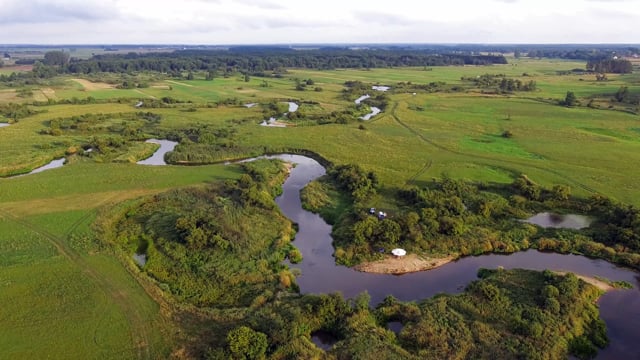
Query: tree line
x=261 y=61
x=616 y=66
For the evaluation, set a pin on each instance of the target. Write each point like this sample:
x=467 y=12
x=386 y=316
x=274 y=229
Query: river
x=158 y=157
x=620 y=309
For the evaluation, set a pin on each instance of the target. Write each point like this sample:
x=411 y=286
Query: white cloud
x=327 y=21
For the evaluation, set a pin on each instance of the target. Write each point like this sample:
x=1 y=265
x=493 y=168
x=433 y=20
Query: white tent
x=399 y=252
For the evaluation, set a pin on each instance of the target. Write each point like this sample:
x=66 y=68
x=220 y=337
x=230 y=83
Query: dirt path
x=89 y=85
x=178 y=83
x=402 y=265
x=145 y=94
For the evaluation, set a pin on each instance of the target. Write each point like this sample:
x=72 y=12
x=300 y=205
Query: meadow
x=59 y=282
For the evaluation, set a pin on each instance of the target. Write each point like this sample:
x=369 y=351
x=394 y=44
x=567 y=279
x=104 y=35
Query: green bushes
x=455 y=217
x=220 y=245
x=498 y=317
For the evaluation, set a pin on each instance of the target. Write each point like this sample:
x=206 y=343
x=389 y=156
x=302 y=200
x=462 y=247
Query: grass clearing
x=57 y=283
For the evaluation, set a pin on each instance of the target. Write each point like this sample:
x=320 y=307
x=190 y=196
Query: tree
x=570 y=99
x=388 y=231
x=246 y=343
x=190 y=76
x=56 y=57
x=517 y=54
x=561 y=192
x=622 y=94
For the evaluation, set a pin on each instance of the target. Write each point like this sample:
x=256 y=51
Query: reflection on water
x=568 y=221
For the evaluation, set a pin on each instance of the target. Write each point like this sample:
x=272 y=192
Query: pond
x=568 y=221
x=381 y=88
x=323 y=339
x=140 y=259
x=4 y=124
x=293 y=107
x=158 y=157
x=320 y=274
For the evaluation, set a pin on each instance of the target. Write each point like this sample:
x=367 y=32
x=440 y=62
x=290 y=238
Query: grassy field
x=64 y=295
x=57 y=283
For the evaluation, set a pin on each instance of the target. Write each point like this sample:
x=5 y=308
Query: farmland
x=73 y=285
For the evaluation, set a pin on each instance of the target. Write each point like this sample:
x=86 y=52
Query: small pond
x=380 y=88
x=323 y=339
x=293 y=107
x=568 y=221
x=158 y=157
x=4 y=124
x=140 y=259
x=395 y=326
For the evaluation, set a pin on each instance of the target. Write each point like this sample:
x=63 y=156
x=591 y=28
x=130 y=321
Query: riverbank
x=602 y=285
x=414 y=263
x=402 y=265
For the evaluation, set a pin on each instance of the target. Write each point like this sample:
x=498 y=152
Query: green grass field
x=58 y=284
x=64 y=295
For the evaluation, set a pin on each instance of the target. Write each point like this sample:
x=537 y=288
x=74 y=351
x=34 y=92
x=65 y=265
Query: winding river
x=620 y=309
x=158 y=156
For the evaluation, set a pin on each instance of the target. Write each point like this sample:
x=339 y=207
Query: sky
x=222 y=22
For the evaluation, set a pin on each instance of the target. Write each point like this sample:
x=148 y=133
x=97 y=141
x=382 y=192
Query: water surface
x=620 y=309
x=568 y=221
x=158 y=157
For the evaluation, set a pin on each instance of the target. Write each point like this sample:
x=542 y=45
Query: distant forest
x=274 y=60
x=257 y=61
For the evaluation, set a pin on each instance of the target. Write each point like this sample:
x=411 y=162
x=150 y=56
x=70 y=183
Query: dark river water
x=620 y=309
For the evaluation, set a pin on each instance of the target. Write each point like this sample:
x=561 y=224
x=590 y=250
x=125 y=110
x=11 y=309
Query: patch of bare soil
x=89 y=86
x=401 y=265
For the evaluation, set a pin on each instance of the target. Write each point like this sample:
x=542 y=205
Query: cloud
x=261 y=4
x=42 y=11
x=381 y=18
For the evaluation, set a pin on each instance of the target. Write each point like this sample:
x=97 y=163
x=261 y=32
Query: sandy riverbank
x=413 y=263
x=591 y=280
x=402 y=265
